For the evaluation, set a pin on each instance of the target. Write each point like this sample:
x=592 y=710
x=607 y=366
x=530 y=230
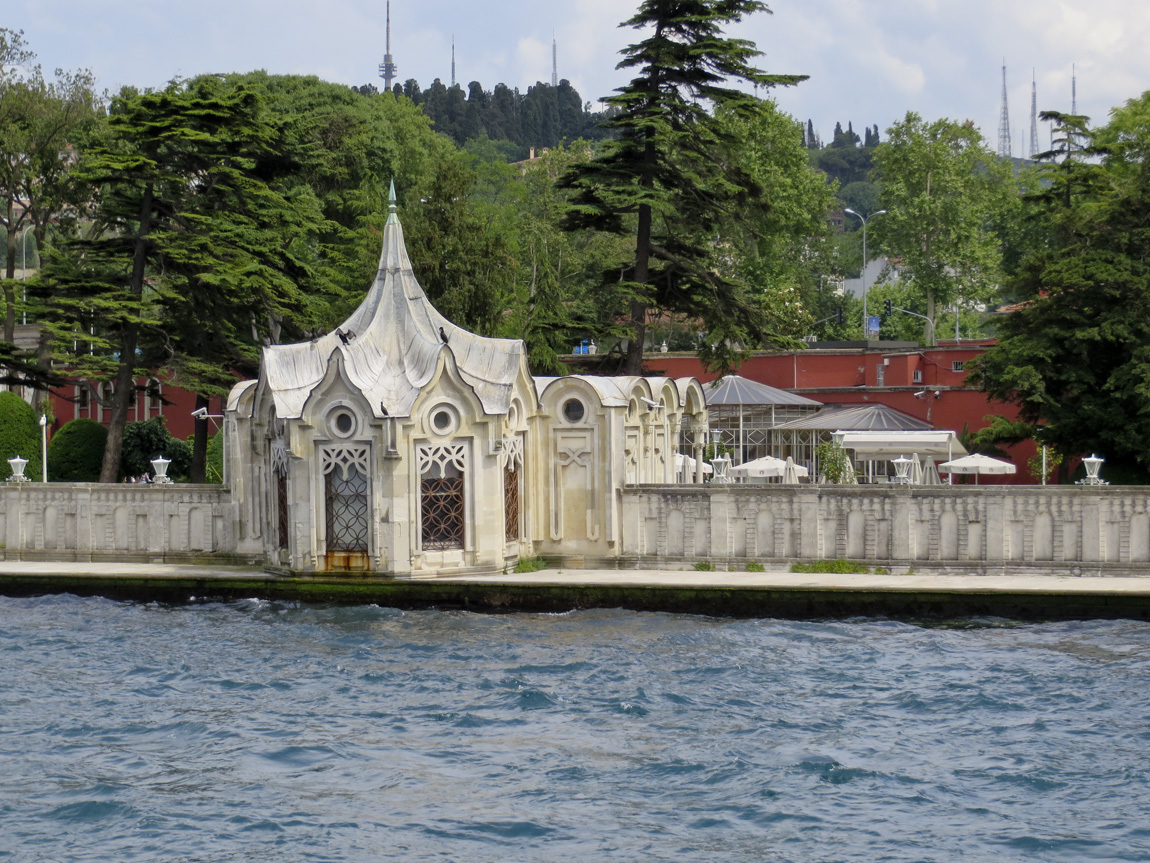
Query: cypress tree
x=664 y=171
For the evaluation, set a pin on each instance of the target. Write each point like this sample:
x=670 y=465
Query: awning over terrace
x=890 y=444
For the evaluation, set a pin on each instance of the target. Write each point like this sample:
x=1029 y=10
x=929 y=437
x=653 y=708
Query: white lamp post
x=901 y=466
x=719 y=462
x=160 y=466
x=18 y=464
x=44 y=447
x=1093 y=465
x=863 y=219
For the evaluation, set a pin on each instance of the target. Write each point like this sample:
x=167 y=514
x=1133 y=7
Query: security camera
x=920 y=394
x=653 y=405
x=200 y=413
x=937 y=393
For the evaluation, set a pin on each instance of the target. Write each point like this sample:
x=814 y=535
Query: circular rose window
x=573 y=410
x=342 y=423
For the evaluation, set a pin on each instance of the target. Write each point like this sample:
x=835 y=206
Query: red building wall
x=69 y=403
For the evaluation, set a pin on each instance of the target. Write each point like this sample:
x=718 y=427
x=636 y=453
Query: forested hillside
x=541 y=117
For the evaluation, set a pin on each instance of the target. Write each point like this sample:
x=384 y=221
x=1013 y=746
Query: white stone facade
x=403 y=444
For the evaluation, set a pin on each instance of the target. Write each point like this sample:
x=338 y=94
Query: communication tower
x=1004 y=148
x=452 y=59
x=1033 y=116
x=554 y=60
x=387 y=68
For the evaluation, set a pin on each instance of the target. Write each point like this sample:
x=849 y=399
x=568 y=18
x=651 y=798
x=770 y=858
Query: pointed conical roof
x=391 y=346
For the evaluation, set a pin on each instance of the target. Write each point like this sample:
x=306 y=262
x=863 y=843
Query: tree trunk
x=198 y=472
x=634 y=362
x=125 y=382
x=129 y=336
x=10 y=275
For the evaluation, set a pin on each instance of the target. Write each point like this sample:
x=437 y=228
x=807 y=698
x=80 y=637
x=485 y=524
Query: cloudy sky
x=869 y=61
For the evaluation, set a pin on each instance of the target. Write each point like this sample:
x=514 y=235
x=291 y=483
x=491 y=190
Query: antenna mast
x=1033 y=115
x=387 y=68
x=554 y=60
x=1004 y=148
x=452 y=59
x=1073 y=90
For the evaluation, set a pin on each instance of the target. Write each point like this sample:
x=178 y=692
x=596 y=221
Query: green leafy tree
x=144 y=441
x=1076 y=356
x=780 y=249
x=664 y=182
x=19 y=435
x=192 y=254
x=76 y=451
x=42 y=124
x=942 y=191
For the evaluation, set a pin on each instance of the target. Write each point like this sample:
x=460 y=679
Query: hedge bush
x=19 y=435
x=76 y=452
x=143 y=441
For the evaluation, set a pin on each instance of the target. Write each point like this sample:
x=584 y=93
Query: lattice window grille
x=344 y=459
x=345 y=470
x=513 y=452
x=442 y=470
x=442 y=460
x=283 y=520
x=279 y=458
x=511 y=502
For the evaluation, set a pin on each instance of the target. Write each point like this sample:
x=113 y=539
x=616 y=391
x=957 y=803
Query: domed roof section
x=391 y=346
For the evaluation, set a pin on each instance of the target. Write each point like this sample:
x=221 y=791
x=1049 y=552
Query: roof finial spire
x=392 y=218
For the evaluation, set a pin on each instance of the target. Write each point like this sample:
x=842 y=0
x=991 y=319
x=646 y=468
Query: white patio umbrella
x=684 y=462
x=849 y=477
x=915 y=469
x=977 y=463
x=792 y=472
x=767 y=466
x=930 y=472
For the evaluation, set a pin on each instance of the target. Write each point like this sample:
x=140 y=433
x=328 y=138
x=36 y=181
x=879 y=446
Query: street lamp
x=44 y=447
x=863 y=219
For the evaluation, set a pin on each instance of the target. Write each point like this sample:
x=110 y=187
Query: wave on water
x=260 y=730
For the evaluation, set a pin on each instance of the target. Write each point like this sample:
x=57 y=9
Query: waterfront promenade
x=773 y=593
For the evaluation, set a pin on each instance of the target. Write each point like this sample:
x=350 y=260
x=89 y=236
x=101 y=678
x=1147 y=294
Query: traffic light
x=889 y=309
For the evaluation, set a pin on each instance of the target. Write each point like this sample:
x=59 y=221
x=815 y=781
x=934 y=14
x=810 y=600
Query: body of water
x=261 y=731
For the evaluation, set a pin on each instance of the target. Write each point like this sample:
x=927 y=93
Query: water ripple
x=264 y=730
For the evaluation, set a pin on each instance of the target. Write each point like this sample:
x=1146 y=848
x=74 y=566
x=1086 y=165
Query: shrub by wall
x=143 y=441
x=19 y=435
x=76 y=452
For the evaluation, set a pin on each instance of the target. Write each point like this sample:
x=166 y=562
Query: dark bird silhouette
x=345 y=336
x=383 y=409
x=443 y=335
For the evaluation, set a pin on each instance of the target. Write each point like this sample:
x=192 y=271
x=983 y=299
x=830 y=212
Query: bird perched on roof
x=442 y=335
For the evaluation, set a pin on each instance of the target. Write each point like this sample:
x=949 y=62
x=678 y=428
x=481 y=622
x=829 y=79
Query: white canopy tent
x=978 y=464
x=889 y=444
x=767 y=466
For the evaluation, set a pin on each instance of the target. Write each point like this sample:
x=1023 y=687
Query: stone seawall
x=131 y=522
x=1069 y=528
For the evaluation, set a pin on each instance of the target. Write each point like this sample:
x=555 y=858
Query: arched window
x=442 y=505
